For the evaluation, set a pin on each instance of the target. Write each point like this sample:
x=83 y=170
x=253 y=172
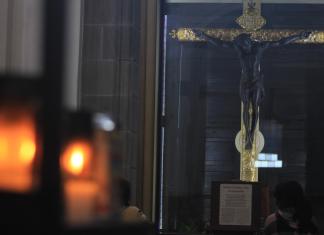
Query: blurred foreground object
x=132 y=214
x=85 y=164
x=19 y=136
x=123 y=211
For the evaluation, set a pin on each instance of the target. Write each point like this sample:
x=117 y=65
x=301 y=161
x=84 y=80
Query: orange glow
x=27 y=151
x=3 y=148
x=17 y=149
x=76 y=157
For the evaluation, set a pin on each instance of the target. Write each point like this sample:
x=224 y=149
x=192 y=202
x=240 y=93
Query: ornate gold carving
x=248 y=171
x=251 y=23
x=251 y=20
x=186 y=34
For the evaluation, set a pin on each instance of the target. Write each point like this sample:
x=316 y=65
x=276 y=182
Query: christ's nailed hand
x=200 y=34
x=305 y=35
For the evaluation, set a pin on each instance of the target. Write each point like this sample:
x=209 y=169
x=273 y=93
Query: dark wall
x=291 y=113
x=110 y=80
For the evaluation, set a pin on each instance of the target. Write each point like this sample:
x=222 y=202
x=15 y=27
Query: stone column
x=21 y=36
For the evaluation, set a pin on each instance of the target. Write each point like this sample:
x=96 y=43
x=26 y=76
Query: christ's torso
x=250 y=61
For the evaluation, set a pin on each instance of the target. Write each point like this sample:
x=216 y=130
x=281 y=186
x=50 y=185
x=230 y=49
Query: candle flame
x=76 y=157
x=77 y=161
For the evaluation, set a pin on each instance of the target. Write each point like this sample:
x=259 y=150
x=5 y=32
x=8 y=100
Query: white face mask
x=287 y=213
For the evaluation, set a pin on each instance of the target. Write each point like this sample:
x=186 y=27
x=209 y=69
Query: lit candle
x=81 y=191
x=17 y=149
x=81 y=201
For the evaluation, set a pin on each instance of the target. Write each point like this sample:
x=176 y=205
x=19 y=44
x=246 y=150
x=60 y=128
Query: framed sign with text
x=236 y=206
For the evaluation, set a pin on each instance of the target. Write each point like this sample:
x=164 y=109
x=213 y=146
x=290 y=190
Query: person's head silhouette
x=293 y=206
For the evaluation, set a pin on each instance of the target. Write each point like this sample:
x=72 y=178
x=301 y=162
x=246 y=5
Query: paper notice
x=235 y=204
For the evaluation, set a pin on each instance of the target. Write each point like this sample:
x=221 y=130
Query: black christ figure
x=251 y=85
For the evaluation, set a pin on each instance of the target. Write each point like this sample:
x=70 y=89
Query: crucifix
x=250 y=44
x=251 y=86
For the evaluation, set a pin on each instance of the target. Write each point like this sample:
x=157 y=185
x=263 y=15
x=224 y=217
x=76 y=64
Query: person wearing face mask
x=294 y=214
x=124 y=212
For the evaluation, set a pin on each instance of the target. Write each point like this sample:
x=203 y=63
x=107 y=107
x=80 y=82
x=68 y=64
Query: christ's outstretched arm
x=214 y=41
x=288 y=40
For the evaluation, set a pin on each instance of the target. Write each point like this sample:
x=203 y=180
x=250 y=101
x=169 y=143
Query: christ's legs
x=246 y=122
x=256 y=100
x=246 y=98
x=255 y=118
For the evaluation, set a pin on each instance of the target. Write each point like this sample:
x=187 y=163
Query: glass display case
x=200 y=107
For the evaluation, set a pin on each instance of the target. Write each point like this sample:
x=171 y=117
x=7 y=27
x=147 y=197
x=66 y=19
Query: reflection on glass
x=268 y=157
x=268 y=164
